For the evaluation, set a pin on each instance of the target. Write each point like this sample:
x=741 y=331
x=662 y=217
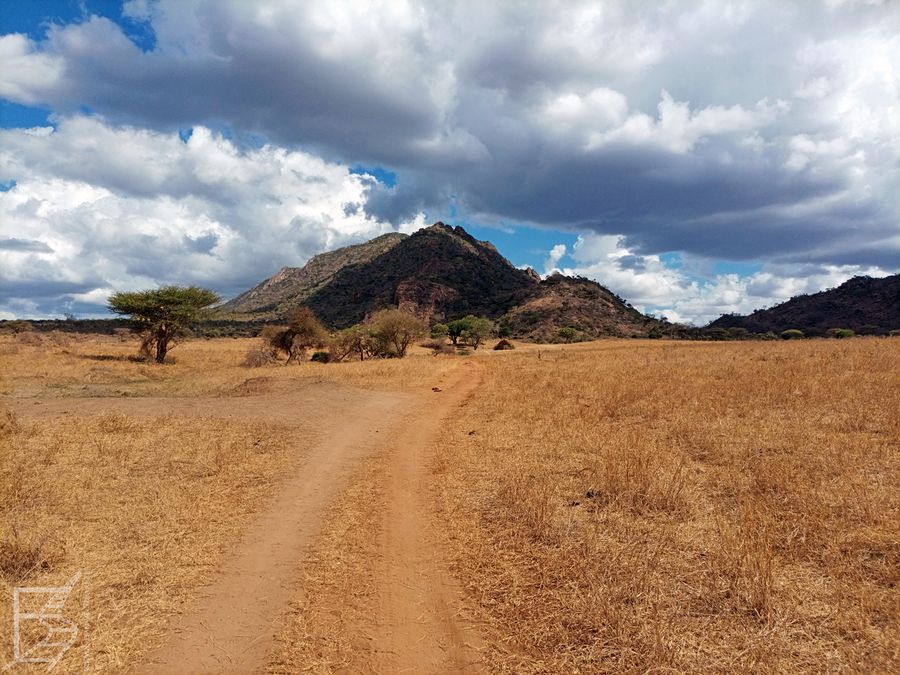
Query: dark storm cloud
x=758 y=130
x=30 y=245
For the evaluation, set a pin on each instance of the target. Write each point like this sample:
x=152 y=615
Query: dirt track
x=414 y=625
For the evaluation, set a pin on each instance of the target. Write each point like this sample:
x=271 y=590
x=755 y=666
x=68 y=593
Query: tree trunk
x=161 y=348
x=162 y=345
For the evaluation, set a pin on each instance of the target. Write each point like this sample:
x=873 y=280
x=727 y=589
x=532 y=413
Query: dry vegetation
x=59 y=365
x=143 y=498
x=616 y=506
x=659 y=506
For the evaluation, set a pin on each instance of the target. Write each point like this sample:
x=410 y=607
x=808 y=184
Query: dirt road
x=416 y=626
x=414 y=623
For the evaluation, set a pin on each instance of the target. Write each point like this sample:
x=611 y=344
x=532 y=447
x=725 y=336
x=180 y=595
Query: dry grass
x=321 y=632
x=660 y=506
x=98 y=366
x=143 y=507
x=145 y=503
x=613 y=506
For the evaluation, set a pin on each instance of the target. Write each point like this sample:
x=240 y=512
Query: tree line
x=163 y=317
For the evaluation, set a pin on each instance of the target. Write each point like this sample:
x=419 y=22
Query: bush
x=439 y=330
x=302 y=332
x=355 y=340
x=17 y=326
x=258 y=357
x=393 y=330
x=471 y=330
x=792 y=334
x=320 y=357
x=840 y=333
x=504 y=344
x=438 y=346
x=569 y=334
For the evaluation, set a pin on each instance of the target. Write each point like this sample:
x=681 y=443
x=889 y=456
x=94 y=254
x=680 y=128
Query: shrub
x=355 y=340
x=568 y=334
x=393 y=330
x=792 y=334
x=439 y=330
x=320 y=357
x=840 y=333
x=471 y=330
x=259 y=356
x=302 y=332
x=504 y=344
x=17 y=326
x=438 y=346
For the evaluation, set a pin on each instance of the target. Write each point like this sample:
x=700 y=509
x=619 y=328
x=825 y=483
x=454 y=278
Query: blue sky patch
x=380 y=174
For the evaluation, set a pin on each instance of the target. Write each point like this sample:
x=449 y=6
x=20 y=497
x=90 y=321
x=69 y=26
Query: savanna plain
x=612 y=506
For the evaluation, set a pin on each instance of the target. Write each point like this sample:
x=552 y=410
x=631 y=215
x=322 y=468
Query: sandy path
x=231 y=628
x=417 y=627
x=413 y=624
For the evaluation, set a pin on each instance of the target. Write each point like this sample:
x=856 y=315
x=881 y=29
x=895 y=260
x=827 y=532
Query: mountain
x=565 y=302
x=440 y=273
x=863 y=304
x=277 y=295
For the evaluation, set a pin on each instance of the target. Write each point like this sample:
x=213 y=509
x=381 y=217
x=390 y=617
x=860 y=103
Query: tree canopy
x=163 y=314
x=394 y=330
x=471 y=329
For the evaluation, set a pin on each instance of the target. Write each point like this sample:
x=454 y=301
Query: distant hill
x=279 y=294
x=863 y=304
x=440 y=273
x=564 y=302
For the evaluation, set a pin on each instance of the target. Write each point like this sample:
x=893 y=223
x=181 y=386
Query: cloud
x=98 y=207
x=691 y=292
x=763 y=131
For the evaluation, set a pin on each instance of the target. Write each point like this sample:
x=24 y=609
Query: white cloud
x=121 y=208
x=742 y=130
x=553 y=257
x=688 y=294
x=27 y=73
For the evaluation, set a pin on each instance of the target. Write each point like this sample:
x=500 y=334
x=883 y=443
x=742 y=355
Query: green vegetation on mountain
x=442 y=275
x=864 y=305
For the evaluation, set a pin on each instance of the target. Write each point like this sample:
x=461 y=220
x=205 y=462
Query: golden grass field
x=683 y=507
x=610 y=506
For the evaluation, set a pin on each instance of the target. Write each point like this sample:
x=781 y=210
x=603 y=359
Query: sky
x=697 y=158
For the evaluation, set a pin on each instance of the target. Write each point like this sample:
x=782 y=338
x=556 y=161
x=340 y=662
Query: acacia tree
x=471 y=329
x=479 y=330
x=162 y=315
x=303 y=331
x=354 y=340
x=394 y=330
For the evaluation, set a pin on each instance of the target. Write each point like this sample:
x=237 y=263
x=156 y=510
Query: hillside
x=565 y=302
x=864 y=304
x=277 y=295
x=440 y=273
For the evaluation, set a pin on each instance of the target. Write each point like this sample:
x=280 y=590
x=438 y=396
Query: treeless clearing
x=146 y=487
x=378 y=595
x=654 y=506
x=621 y=505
